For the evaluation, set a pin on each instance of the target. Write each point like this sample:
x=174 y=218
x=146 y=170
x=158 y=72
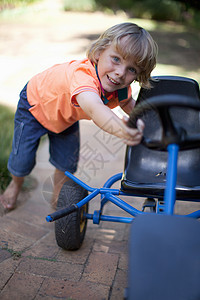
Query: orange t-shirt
x=52 y=94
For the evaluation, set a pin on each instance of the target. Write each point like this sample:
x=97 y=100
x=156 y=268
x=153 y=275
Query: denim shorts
x=63 y=147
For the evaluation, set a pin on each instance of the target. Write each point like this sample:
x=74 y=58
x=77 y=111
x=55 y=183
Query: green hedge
x=159 y=10
x=6 y=134
x=162 y=10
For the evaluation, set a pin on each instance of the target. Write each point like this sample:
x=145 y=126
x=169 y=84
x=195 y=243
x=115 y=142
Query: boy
x=55 y=100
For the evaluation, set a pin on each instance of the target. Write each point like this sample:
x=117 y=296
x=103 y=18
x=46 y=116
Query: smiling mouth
x=112 y=81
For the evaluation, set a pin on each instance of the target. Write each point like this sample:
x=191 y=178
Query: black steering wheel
x=172 y=133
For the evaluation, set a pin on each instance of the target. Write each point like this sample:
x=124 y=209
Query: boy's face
x=114 y=71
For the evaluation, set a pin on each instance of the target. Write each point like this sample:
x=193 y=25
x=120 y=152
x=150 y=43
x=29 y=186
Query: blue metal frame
x=164 y=206
x=170 y=190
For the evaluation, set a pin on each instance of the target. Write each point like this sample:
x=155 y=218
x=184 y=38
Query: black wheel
x=70 y=230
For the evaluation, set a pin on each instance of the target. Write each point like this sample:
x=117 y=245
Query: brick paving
x=32 y=266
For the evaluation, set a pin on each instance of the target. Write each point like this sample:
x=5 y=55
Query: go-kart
x=164 y=248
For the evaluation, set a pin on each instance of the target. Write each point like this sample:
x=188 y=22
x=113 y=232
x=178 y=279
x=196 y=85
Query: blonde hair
x=139 y=46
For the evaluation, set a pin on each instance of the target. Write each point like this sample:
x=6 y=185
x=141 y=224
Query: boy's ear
x=97 y=55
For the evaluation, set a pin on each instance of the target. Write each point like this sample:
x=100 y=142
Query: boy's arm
x=104 y=118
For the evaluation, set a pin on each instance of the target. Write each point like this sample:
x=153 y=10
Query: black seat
x=145 y=169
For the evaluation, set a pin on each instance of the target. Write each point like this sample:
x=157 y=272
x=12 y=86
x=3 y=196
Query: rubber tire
x=70 y=230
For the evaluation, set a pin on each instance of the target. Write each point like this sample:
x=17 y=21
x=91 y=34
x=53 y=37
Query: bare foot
x=9 y=197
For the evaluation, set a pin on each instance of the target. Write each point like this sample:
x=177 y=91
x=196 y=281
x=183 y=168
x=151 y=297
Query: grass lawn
x=6 y=133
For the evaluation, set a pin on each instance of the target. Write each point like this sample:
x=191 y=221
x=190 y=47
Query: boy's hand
x=133 y=136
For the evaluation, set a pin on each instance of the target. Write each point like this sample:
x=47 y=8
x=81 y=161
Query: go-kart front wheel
x=70 y=230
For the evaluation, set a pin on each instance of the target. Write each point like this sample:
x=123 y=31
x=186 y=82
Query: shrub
x=151 y=9
x=157 y=10
x=9 y=4
x=79 y=5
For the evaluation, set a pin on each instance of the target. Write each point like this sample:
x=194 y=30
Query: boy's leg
x=27 y=133
x=59 y=179
x=9 y=197
x=64 y=156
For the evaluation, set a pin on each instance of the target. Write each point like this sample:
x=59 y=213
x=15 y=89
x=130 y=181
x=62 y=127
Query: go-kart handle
x=62 y=213
x=171 y=133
